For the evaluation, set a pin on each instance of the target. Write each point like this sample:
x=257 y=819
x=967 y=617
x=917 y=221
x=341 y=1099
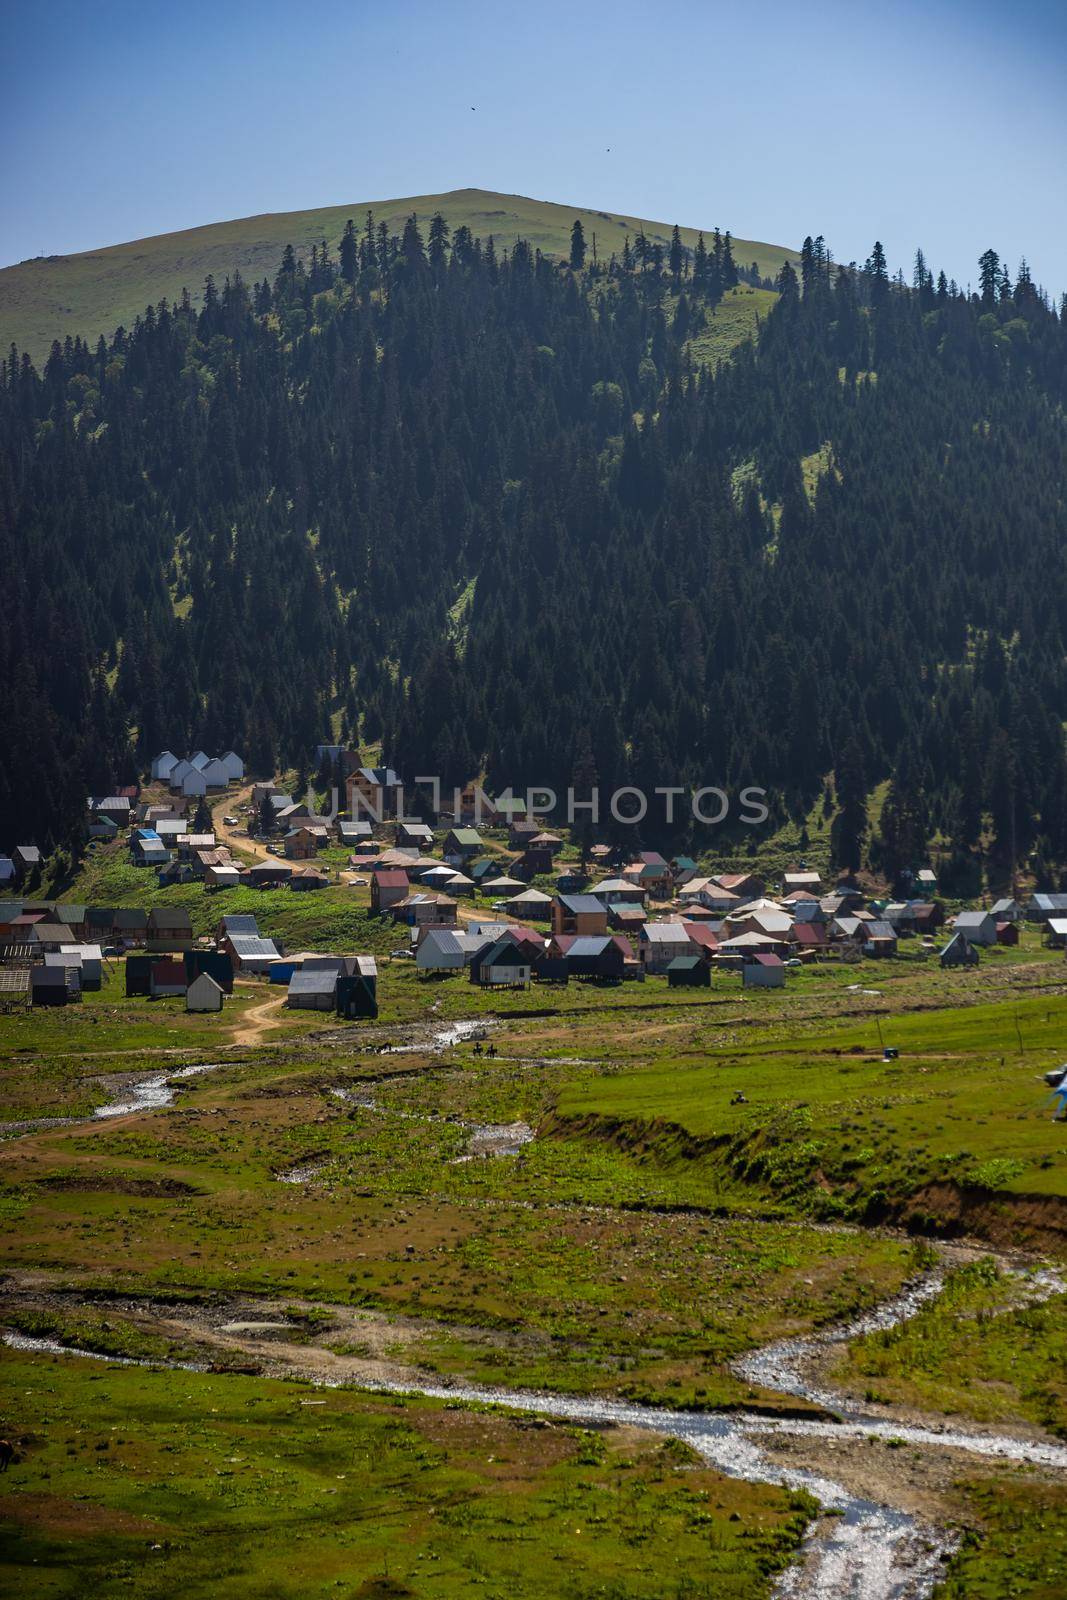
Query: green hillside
x=99 y=290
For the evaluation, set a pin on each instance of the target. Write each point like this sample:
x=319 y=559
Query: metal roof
x=589 y=944
x=318 y=981
x=248 y=944
x=587 y=904
x=665 y=933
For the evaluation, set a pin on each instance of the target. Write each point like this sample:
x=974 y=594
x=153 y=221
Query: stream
x=857 y=1549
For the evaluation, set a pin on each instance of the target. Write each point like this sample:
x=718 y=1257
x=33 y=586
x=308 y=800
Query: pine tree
x=577 y=246
x=676 y=255
x=349 y=253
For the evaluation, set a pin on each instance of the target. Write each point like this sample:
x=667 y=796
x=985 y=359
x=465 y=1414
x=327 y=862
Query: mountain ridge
x=94 y=291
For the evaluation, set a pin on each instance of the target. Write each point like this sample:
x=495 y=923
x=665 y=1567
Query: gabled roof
x=974 y=919
x=240 y=922
x=132 y=917
x=469 y=836
x=391 y=878
x=167 y=917
x=505 y=953
x=378 y=777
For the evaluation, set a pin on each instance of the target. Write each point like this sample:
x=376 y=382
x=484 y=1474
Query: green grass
x=736 y=318
x=91 y=293
x=154 y=1484
x=831 y=1128
x=974 y=1352
x=1015 y=1544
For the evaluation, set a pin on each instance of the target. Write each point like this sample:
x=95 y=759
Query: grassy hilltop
x=96 y=291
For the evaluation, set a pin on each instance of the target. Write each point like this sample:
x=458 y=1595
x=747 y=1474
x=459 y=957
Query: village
x=493 y=897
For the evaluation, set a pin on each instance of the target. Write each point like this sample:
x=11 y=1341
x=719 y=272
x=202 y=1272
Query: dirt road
x=232 y=837
x=259 y=1020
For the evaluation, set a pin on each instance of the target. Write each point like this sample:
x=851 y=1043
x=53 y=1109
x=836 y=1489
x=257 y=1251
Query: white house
x=90 y=957
x=215 y=774
x=222 y=876
x=977 y=927
x=235 y=767
x=178 y=773
x=203 y=994
x=194 y=782
x=199 y=760
x=164 y=765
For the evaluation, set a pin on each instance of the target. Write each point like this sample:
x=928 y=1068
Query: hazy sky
x=942 y=124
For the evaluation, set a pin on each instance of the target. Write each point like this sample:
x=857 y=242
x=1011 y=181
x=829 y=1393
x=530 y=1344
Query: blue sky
x=942 y=124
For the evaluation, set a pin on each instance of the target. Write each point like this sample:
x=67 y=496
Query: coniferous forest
x=497 y=512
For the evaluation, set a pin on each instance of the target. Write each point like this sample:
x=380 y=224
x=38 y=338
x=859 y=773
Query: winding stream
x=857 y=1549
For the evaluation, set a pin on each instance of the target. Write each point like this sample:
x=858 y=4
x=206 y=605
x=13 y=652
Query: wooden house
x=309 y=878
x=169 y=928
x=357 y=988
x=166 y=977
x=303 y=842
x=425 y=911
x=216 y=963
x=959 y=952
x=417 y=836
x=372 y=793
x=579 y=914
x=128 y=925
x=660 y=943
x=388 y=888
x=530 y=906
x=461 y=845
x=745 y=885
x=269 y=874
x=314 y=990
x=688 y=972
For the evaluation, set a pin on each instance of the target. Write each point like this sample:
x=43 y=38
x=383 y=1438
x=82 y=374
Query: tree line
x=495 y=511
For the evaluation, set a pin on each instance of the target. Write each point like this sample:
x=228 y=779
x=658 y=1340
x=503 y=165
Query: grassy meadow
x=96 y=291
x=648 y=1234
x=155 y=1483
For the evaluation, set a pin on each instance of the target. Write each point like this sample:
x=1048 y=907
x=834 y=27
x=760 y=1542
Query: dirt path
x=234 y=838
x=258 y=1021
